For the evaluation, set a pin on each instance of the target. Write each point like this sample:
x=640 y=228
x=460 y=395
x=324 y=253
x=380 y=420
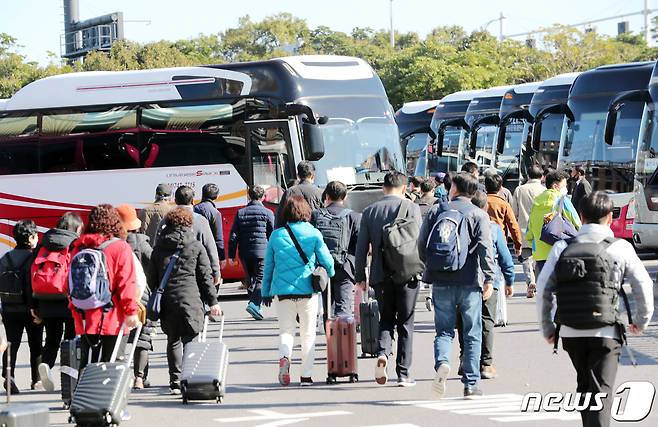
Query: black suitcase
x=369 y=313
x=205 y=364
x=103 y=389
x=24 y=414
x=69 y=366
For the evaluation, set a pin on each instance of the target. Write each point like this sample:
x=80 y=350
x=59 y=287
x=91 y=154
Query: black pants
x=539 y=265
x=596 y=361
x=15 y=324
x=100 y=346
x=141 y=363
x=342 y=294
x=488 y=322
x=56 y=327
x=397 y=304
x=175 y=346
x=254 y=268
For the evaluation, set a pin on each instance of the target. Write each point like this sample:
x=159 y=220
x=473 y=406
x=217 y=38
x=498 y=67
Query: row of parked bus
x=602 y=119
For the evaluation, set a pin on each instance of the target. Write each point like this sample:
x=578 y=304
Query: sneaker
x=532 y=290
x=37 y=386
x=284 y=371
x=406 y=382
x=138 y=384
x=306 y=381
x=174 y=388
x=380 y=370
x=14 y=388
x=428 y=303
x=254 y=311
x=439 y=383
x=46 y=377
x=472 y=392
x=488 y=372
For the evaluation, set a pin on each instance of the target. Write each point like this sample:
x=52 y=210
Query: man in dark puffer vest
x=251 y=230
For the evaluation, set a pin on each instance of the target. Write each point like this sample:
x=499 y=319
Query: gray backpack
x=335 y=233
x=400 y=247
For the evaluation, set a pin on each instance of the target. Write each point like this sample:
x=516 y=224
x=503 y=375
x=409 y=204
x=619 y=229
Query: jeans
x=254 y=269
x=528 y=266
x=175 y=347
x=15 y=323
x=488 y=322
x=56 y=327
x=397 y=309
x=448 y=300
x=287 y=312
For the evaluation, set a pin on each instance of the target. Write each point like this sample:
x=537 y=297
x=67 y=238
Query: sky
x=38 y=24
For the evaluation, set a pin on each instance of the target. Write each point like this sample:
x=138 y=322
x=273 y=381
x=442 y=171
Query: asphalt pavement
x=525 y=363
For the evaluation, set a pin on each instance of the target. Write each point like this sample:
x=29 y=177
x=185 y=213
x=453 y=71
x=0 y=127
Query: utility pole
x=646 y=12
x=392 y=32
x=501 y=37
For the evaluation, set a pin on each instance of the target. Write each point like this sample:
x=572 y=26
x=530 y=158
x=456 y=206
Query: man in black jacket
x=251 y=230
x=582 y=189
x=340 y=229
x=306 y=188
x=208 y=210
x=396 y=301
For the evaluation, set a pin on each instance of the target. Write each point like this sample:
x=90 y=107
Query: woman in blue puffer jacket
x=288 y=278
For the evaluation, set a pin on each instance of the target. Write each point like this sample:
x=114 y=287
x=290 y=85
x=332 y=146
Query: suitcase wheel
x=331 y=379
x=220 y=399
x=354 y=378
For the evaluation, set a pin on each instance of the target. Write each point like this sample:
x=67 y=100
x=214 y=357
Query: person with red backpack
x=49 y=280
x=102 y=288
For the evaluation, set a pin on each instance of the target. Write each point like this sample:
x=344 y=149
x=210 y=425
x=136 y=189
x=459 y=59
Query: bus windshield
x=647 y=156
x=485 y=145
x=362 y=135
x=449 y=161
x=507 y=163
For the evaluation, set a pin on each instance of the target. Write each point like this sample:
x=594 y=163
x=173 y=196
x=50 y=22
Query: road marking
x=278 y=418
x=393 y=425
x=503 y=408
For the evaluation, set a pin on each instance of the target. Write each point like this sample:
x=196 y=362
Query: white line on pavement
x=267 y=415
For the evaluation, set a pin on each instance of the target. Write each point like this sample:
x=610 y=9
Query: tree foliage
x=447 y=60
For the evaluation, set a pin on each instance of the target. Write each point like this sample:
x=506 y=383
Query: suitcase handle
x=115 y=352
x=203 y=335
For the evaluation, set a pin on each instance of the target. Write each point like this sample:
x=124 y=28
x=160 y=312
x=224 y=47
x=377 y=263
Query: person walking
x=440 y=191
x=415 y=191
x=550 y=201
x=187 y=289
x=524 y=197
x=152 y=214
x=305 y=188
x=184 y=197
x=209 y=211
x=138 y=241
x=287 y=277
x=582 y=187
x=427 y=199
x=340 y=230
x=53 y=308
x=503 y=192
x=504 y=270
x=397 y=301
x=252 y=228
x=581 y=283
x=457 y=279
x=16 y=298
x=501 y=212
x=100 y=326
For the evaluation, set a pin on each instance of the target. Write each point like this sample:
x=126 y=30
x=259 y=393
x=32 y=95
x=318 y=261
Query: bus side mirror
x=536 y=135
x=610 y=123
x=473 y=137
x=500 y=142
x=404 y=139
x=313 y=141
x=641 y=95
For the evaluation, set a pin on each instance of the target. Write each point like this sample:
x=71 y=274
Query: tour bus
x=609 y=163
x=645 y=194
x=447 y=126
x=513 y=132
x=546 y=113
x=72 y=141
x=481 y=120
x=413 y=119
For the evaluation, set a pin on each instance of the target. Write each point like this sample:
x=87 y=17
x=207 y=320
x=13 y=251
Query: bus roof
x=561 y=79
x=464 y=95
x=317 y=67
x=494 y=91
x=526 y=87
x=418 y=106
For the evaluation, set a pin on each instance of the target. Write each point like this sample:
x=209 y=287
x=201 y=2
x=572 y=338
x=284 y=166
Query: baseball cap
x=163 y=190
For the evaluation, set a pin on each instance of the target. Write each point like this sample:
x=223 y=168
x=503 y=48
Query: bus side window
x=18 y=157
x=64 y=155
x=111 y=151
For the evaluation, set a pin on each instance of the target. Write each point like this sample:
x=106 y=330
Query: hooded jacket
x=190 y=284
x=544 y=204
x=55 y=240
x=121 y=273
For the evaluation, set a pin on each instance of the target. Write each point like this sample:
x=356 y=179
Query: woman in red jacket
x=99 y=327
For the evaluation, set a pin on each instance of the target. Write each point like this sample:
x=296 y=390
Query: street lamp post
x=392 y=33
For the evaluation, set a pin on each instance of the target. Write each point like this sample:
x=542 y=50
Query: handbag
x=556 y=227
x=154 y=306
x=319 y=276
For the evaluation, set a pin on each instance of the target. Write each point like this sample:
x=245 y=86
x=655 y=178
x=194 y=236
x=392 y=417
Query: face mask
x=563 y=191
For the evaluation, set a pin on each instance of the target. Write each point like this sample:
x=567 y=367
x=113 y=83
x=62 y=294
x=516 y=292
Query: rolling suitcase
x=69 y=365
x=21 y=415
x=501 y=308
x=205 y=364
x=341 y=345
x=103 y=389
x=369 y=325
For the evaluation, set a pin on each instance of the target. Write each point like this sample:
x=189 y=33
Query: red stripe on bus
x=42 y=201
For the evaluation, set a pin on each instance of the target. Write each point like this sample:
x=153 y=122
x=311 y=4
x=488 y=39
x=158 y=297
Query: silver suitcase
x=205 y=364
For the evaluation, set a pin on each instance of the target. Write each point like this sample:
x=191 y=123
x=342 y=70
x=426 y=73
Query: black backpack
x=335 y=232
x=588 y=285
x=400 y=247
x=12 y=281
